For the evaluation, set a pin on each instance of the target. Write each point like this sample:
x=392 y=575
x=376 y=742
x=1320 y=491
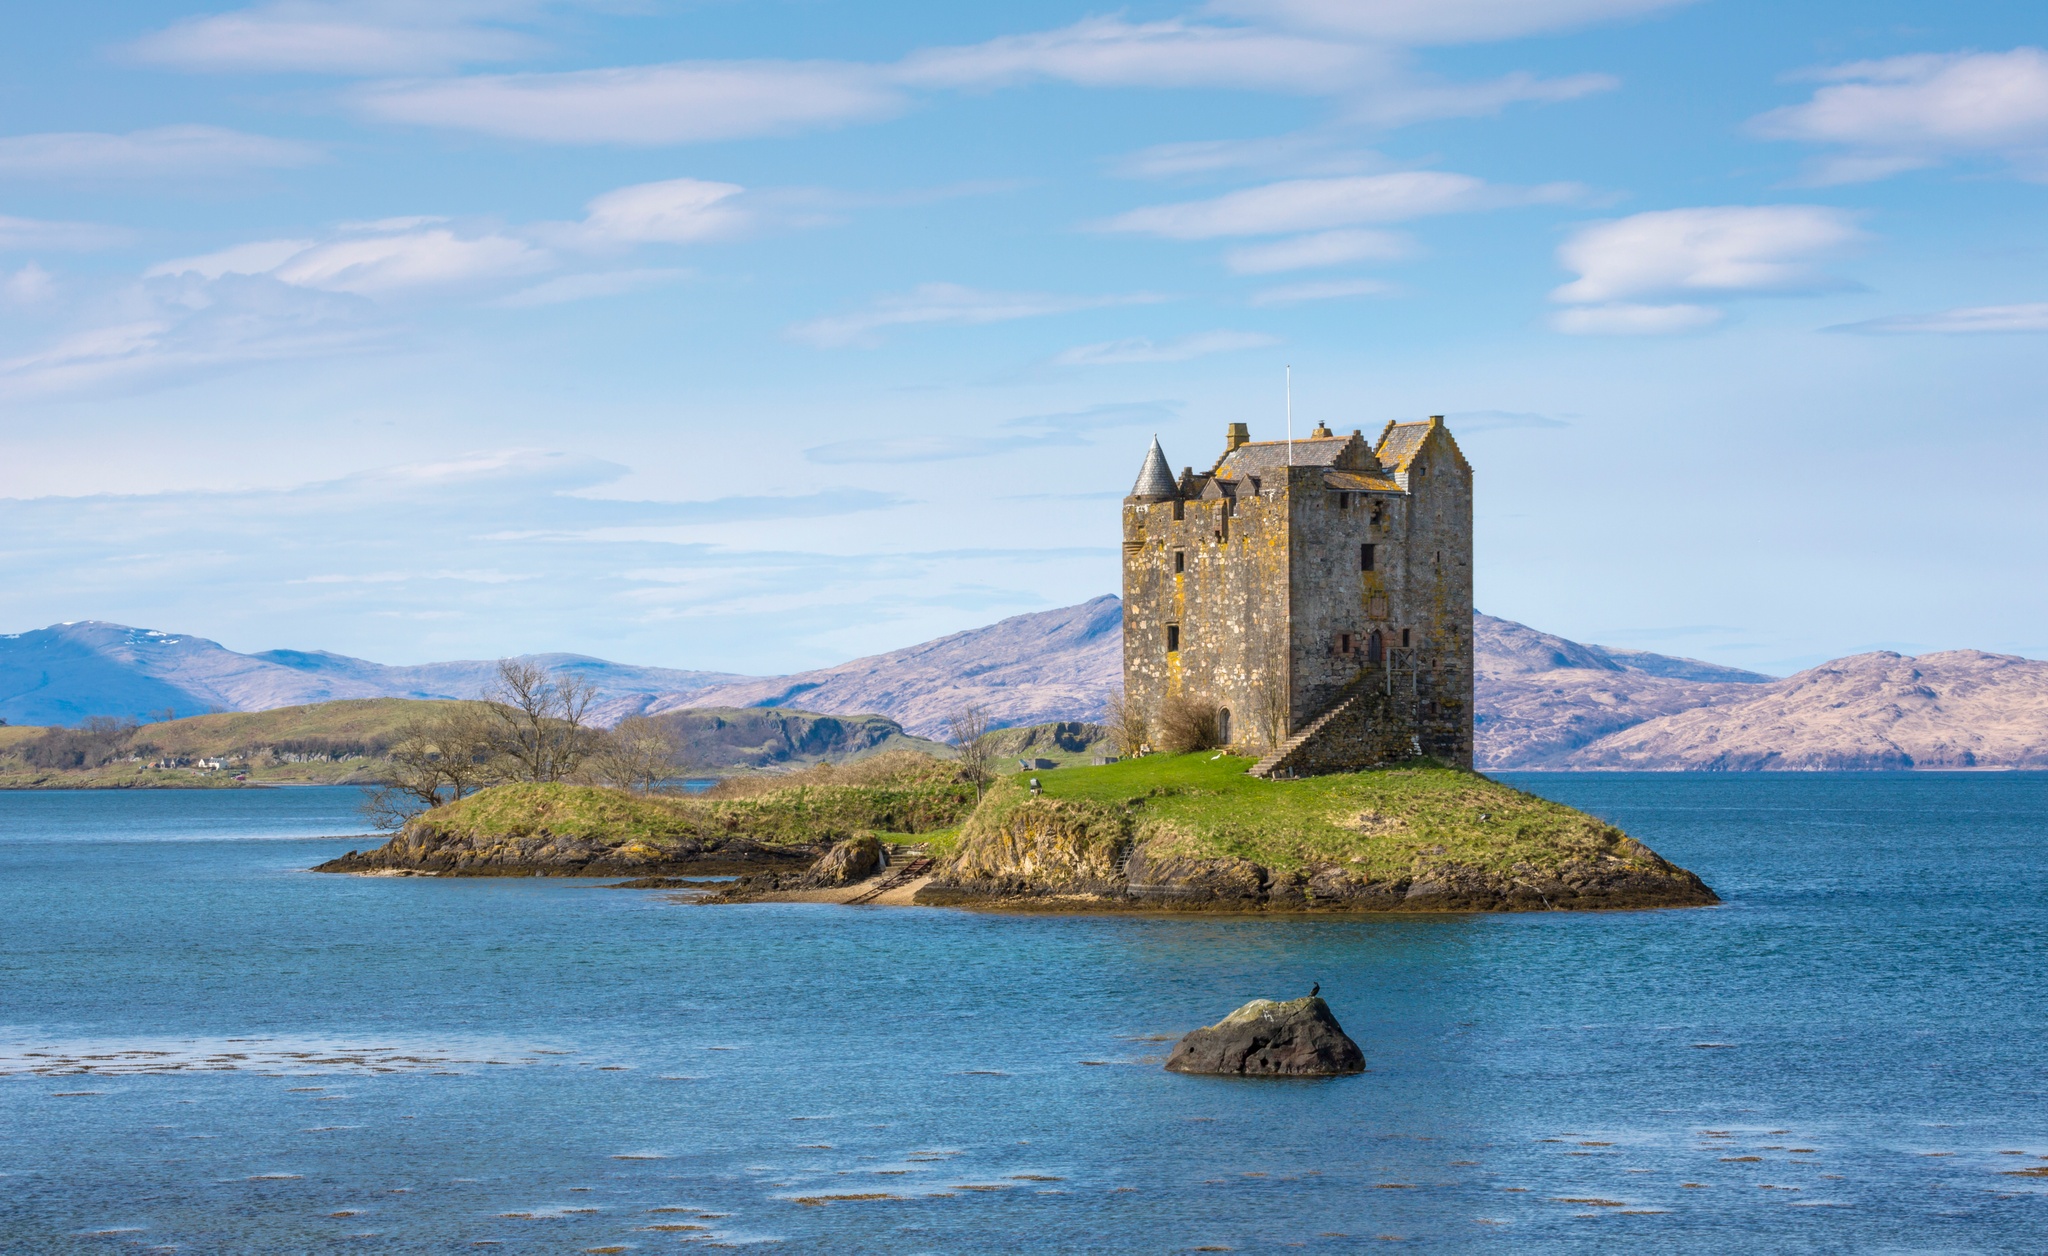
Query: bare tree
x=1127 y=726
x=638 y=753
x=541 y=720
x=439 y=758
x=1270 y=707
x=1187 y=723
x=969 y=728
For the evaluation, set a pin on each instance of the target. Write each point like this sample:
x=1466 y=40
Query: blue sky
x=755 y=336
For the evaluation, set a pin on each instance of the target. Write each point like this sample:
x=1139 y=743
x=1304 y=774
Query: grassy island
x=1180 y=832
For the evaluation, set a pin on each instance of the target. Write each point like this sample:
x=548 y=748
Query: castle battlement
x=1320 y=595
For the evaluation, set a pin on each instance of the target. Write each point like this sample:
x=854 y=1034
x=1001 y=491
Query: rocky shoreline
x=429 y=852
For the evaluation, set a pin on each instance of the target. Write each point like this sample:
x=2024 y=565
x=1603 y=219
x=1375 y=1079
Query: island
x=1177 y=833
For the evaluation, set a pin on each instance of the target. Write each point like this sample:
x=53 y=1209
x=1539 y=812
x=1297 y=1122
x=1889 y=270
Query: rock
x=1266 y=1038
x=855 y=859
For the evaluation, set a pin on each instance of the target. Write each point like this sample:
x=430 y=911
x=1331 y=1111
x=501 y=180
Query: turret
x=1155 y=478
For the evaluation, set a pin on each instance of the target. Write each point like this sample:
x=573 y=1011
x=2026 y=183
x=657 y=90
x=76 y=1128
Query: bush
x=100 y=740
x=1187 y=723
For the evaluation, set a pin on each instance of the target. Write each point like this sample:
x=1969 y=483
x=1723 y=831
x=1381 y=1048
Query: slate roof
x=1400 y=443
x=1265 y=457
x=1155 y=478
x=1354 y=482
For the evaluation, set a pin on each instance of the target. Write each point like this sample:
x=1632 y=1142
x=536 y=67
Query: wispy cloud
x=1141 y=350
x=374 y=262
x=1906 y=113
x=682 y=103
x=1326 y=248
x=1968 y=321
x=341 y=37
x=603 y=283
x=174 y=152
x=946 y=303
x=1308 y=205
x=1325 y=290
x=1441 y=21
x=1714 y=251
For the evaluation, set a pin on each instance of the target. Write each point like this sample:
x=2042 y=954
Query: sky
x=758 y=336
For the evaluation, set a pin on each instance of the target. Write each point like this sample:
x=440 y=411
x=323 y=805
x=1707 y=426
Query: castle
x=1317 y=594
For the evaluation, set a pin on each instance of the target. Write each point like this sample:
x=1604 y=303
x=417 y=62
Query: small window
x=1379 y=513
x=1365 y=556
x=1180 y=511
x=1255 y=485
x=1180 y=561
x=1172 y=638
x=1343 y=501
x=1343 y=643
x=1404 y=638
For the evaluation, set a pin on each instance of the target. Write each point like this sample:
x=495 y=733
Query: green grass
x=1381 y=822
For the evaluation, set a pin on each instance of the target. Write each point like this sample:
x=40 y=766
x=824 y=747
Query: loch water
x=206 y=1048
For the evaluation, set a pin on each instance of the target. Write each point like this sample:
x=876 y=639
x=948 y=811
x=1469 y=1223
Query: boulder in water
x=1266 y=1038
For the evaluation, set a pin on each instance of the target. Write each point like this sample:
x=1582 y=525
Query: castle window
x=1374 y=647
x=1180 y=561
x=1379 y=513
x=1365 y=556
x=1173 y=638
x=1180 y=510
x=1404 y=638
x=1255 y=484
x=1343 y=501
x=1343 y=643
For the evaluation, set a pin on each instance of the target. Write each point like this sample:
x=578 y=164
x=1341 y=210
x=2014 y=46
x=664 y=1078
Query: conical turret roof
x=1155 y=478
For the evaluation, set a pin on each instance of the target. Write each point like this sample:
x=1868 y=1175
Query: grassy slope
x=1379 y=822
x=358 y=719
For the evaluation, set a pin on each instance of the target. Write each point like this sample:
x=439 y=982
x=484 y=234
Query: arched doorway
x=1223 y=726
x=1375 y=645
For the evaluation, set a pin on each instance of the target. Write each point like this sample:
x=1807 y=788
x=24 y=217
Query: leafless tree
x=438 y=758
x=1187 y=723
x=637 y=753
x=1270 y=708
x=541 y=720
x=969 y=729
x=1127 y=727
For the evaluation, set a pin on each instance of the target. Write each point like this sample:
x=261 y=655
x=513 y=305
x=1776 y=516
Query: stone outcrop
x=855 y=859
x=1063 y=855
x=1265 y=1038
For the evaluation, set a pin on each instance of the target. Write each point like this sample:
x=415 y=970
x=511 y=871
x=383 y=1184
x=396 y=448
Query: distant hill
x=722 y=738
x=67 y=672
x=1543 y=701
x=1541 y=698
x=1028 y=669
x=1953 y=709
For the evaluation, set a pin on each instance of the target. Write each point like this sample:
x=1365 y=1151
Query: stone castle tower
x=1320 y=598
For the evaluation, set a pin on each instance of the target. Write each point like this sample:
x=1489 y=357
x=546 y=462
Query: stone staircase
x=1279 y=754
x=907 y=862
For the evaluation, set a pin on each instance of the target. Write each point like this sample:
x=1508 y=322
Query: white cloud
x=1970 y=320
x=23 y=234
x=676 y=211
x=1327 y=248
x=944 y=303
x=360 y=37
x=1725 y=249
x=1908 y=112
x=1625 y=319
x=604 y=283
x=1141 y=350
x=1440 y=21
x=1272 y=154
x=1319 y=204
x=1328 y=290
x=372 y=264
x=28 y=286
x=686 y=102
x=1109 y=52
x=166 y=151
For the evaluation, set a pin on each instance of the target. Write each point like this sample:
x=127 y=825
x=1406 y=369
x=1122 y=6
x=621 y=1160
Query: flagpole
x=1290 y=415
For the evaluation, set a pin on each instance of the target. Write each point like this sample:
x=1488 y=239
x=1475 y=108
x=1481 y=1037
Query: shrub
x=1187 y=723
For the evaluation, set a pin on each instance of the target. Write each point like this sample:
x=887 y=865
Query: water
x=416 y=1065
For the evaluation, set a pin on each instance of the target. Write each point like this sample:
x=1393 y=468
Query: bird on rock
x=1314 y=989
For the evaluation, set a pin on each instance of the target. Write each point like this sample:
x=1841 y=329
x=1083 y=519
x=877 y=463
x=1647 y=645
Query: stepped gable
x=1317 y=593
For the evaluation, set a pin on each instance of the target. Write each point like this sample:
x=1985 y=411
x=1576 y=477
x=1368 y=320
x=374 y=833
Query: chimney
x=1234 y=435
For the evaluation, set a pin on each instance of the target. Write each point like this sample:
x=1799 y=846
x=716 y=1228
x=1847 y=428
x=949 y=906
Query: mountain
x=1028 y=669
x=66 y=672
x=1954 y=709
x=1541 y=698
